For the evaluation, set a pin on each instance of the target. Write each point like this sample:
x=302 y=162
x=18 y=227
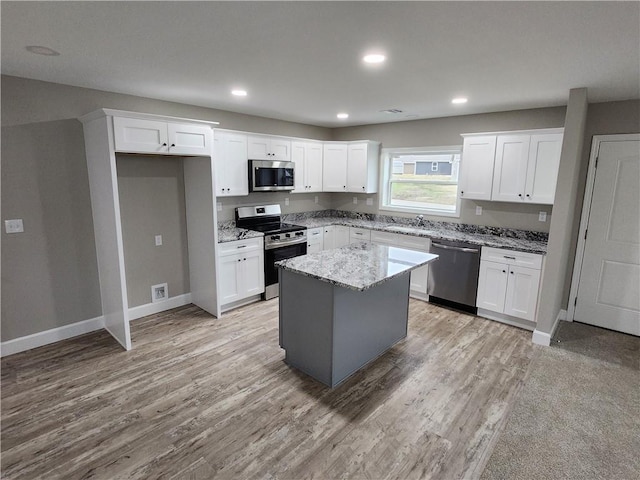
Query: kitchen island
x=342 y=308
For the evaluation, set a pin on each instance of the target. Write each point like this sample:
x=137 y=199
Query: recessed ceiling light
x=40 y=50
x=343 y=115
x=239 y=93
x=374 y=58
x=459 y=100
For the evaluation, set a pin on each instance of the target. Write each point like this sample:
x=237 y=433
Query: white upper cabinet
x=231 y=165
x=478 y=155
x=269 y=148
x=542 y=169
x=511 y=167
x=351 y=167
x=137 y=135
x=334 y=169
x=362 y=167
x=308 y=171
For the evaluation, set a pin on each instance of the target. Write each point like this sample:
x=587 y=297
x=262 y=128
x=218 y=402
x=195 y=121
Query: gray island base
x=341 y=309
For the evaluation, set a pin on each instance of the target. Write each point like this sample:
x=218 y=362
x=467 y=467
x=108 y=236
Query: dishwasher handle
x=459 y=249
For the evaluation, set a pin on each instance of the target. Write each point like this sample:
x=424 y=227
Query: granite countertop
x=437 y=232
x=519 y=240
x=358 y=266
x=228 y=232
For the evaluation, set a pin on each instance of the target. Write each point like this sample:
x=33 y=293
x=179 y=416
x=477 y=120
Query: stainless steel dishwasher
x=453 y=278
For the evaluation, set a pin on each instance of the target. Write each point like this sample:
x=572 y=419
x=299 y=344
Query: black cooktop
x=276 y=227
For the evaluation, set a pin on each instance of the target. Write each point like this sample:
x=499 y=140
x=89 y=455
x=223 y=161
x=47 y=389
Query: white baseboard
x=50 y=336
x=85 y=326
x=157 y=307
x=543 y=338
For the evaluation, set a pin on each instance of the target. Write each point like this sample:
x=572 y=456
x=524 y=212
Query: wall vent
x=159 y=292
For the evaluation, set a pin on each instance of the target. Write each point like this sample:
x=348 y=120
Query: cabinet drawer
x=248 y=245
x=384 y=238
x=511 y=257
x=360 y=234
x=399 y=240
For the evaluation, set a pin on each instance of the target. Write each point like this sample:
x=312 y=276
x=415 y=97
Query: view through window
x=422 y=180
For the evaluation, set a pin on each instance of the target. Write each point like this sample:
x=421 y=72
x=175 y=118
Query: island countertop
x=358 y=266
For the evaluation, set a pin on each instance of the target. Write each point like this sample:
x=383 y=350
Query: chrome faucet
x=419 y=220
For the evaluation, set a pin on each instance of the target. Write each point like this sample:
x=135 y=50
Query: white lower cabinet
x=315 y=240
x=419 y=276
x=335 y=236
x=509 y=283
x=241 y=271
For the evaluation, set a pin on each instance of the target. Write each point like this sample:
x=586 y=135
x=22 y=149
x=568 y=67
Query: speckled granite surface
x=519 y=240
x=512 y=239
x=228 y=232
x=358 y=266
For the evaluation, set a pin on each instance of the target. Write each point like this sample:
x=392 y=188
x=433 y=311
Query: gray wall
x=151 y=190
x=298 y=202
x=49 y=272
x=445 y=132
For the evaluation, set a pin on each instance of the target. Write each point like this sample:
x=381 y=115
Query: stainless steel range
x=281 y=240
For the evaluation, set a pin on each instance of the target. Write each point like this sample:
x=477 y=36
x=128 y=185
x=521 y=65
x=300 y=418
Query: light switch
x=355 y=200
x=219 y=206
x=158 y=240
x=369 y=201
x=542 y=216
x=14 y=226
x=478 y=210
x=286 y=201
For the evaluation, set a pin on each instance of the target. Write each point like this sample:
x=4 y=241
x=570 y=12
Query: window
x=421 y=180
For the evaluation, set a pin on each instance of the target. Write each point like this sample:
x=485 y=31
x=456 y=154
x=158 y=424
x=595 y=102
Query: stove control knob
x=275 y=237
x=299 y=234
x=287 y=235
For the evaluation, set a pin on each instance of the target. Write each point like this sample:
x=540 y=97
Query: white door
x=313 y=167
x=510 y=171
x=236 y=170
x=253 y=273
x=522 y=292
x=334 y=168
x=298 y=156
x=542 y=168
x=610 y=276
x=328 y=239
x=231 y=287
x=189 y=139
x=280 y=149
x=492 y=286
x=137 y=135
x=478 y=155
x=357 y=168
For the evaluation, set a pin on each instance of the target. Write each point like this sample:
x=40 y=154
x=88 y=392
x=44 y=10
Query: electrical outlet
x=219 y=206
x=355 y=200
x=158 y=240
x=542 y=216
x=14 y=226
x=478 y=210
x=315 y=199
x=286 y=201
x=369 y=201
x=159 y=292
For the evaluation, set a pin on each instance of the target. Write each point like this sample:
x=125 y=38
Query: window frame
x=386 y=168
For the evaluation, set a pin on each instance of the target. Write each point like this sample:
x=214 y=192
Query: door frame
x=586 y=212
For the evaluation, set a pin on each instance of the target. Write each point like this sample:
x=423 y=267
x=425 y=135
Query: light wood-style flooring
x=202 y=398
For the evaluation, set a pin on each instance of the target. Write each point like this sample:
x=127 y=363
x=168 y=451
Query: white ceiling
x=300 y=61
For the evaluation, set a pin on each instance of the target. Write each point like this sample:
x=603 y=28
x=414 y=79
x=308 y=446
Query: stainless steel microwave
x=270 y=175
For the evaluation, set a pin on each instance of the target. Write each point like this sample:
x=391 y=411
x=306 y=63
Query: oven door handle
x=285 y=244
x=459 y=249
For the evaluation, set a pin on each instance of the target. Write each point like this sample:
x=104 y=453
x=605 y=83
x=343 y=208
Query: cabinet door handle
x=244 y=259
x=164 y=144
x=528 y=195
x=239 y=259
x=241 y=246
x=173 y=144
x=510 y=258
x=461 y=192
x=520 y=195
x=511 y=272
x=504 y=271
